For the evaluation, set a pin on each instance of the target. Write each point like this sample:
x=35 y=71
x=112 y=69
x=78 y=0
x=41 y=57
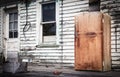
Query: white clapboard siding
x=52 y=56
x=112 y=8
x=30 y=40
x=0 y=30
x=64 y=52
x=68 y=11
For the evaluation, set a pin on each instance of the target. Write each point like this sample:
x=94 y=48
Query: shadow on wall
x=114 y=11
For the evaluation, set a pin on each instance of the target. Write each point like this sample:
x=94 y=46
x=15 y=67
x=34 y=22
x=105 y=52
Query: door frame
x=5 y=12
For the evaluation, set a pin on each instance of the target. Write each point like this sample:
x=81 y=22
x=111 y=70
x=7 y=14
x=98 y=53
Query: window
x=48 y=22
x=48 y=12
x=94 y=5
x=13 y=25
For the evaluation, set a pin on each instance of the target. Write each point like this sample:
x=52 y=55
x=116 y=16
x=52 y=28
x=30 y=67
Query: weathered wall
x=113 y=9
x=0 y=30
x=68 y=10
x=29 y=40
x=64 y=52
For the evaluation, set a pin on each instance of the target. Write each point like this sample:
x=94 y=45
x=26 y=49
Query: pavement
x=40 y=71
x=51 y=74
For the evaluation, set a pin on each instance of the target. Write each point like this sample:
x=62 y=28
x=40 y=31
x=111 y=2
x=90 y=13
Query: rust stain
x=88 y=44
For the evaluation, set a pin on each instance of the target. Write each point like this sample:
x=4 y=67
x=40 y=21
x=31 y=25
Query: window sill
x=47 y=45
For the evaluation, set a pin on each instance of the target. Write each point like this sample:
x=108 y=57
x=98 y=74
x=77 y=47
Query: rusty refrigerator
x=92 y=41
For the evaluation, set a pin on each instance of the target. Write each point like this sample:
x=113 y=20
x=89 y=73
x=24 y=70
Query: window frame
x=48 y=21
x=13 y=26
x=7 y=11
x=40 y=24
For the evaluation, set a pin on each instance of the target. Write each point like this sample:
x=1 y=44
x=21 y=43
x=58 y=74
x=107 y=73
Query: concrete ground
x=40 y=71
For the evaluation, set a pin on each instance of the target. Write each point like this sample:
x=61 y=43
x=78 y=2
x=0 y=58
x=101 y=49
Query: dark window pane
x=11 y=17
x=94 y=5
x=48 y=12
x=15 y=34
x=10 y=26
x=15 y=25
x=49 y=29
x=15 y=16
x=11 y=34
